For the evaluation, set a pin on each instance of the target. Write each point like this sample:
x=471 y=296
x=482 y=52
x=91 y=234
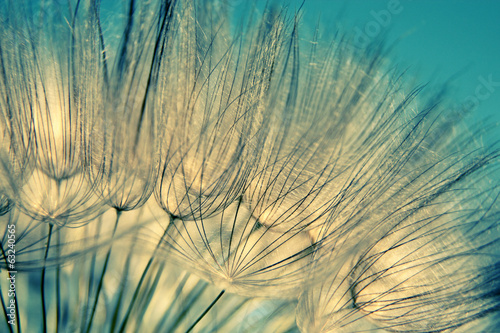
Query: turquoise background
x=452 y=41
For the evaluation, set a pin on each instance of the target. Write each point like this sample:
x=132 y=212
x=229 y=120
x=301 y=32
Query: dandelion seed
x=124 y=149
x=56 y=93
x=211 y=104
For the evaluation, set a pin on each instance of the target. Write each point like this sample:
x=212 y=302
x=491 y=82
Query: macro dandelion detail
x=165 y=167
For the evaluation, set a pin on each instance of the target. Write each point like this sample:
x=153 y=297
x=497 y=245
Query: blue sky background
x=438 y=40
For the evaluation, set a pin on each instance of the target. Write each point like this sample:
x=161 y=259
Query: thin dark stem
x=206 y=311
x=192 y=297
x=101 y=280
x=167 y=314
x=1 y=294
x=152 y=285
x=5 y=313
x=58 y=284
x=42 y=282
x=141 y=281
x=18 y=317
x=91 y=273
x=123 y=285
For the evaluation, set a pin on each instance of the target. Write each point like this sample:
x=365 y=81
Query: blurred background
x=453 y=41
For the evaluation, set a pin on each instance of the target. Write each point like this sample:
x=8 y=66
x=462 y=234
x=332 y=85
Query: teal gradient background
x=455 y=41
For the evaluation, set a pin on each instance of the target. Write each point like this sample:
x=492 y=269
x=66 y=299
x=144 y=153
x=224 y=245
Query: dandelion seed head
x=57 y=137
x=124 y=162
x=287 y=170
x=66 y=202
x=232 y=252
x=210 y=125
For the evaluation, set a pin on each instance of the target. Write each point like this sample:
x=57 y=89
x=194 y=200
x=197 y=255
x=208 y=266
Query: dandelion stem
x=141 y=281
x=1 y=295
x=116 y=313
x=125 y=274
x=5 y=313
x=58 y=284
x=146 y=300
x=123 y=284
x=101 y=280
x=206 y=311
x=168 y=312
x=192 y=297
x=42 y=282
x=91 y=272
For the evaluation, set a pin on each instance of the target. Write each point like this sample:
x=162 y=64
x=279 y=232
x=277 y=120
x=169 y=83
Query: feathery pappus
x=165 y=167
